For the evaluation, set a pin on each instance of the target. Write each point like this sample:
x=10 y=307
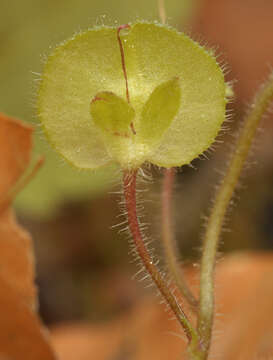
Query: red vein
x=121 y=27
x=97 y=98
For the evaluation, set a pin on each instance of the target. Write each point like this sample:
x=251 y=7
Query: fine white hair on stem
x=223 y=197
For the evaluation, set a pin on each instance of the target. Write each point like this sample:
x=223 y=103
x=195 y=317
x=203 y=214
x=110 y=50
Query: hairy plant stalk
x=223 y=197
x=168 y=239
x=129 y=181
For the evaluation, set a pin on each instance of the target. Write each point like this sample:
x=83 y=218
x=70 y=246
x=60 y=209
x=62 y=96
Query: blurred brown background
x=83 y=267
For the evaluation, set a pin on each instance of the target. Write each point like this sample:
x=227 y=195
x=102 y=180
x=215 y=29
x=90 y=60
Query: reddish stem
x=129 y=181
x=169 y=240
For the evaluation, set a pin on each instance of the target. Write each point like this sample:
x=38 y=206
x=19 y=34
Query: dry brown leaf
x=16 y=249
x=15 y=149
x=147 y=332
x=85 y=342
x=17 y=259
x=22 y=336
x=249 y=335
x=144 y=333
x=247 y=299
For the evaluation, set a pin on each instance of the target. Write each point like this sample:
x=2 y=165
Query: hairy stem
x=129 y=182
x=169 y=240
x=223 y=197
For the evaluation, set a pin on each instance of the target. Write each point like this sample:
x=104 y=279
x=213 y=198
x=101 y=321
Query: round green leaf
x=154 y=55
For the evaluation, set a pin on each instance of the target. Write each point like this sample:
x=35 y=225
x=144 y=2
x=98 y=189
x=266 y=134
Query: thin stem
x=223 y=197
x=169 y=241
x=129 y=182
